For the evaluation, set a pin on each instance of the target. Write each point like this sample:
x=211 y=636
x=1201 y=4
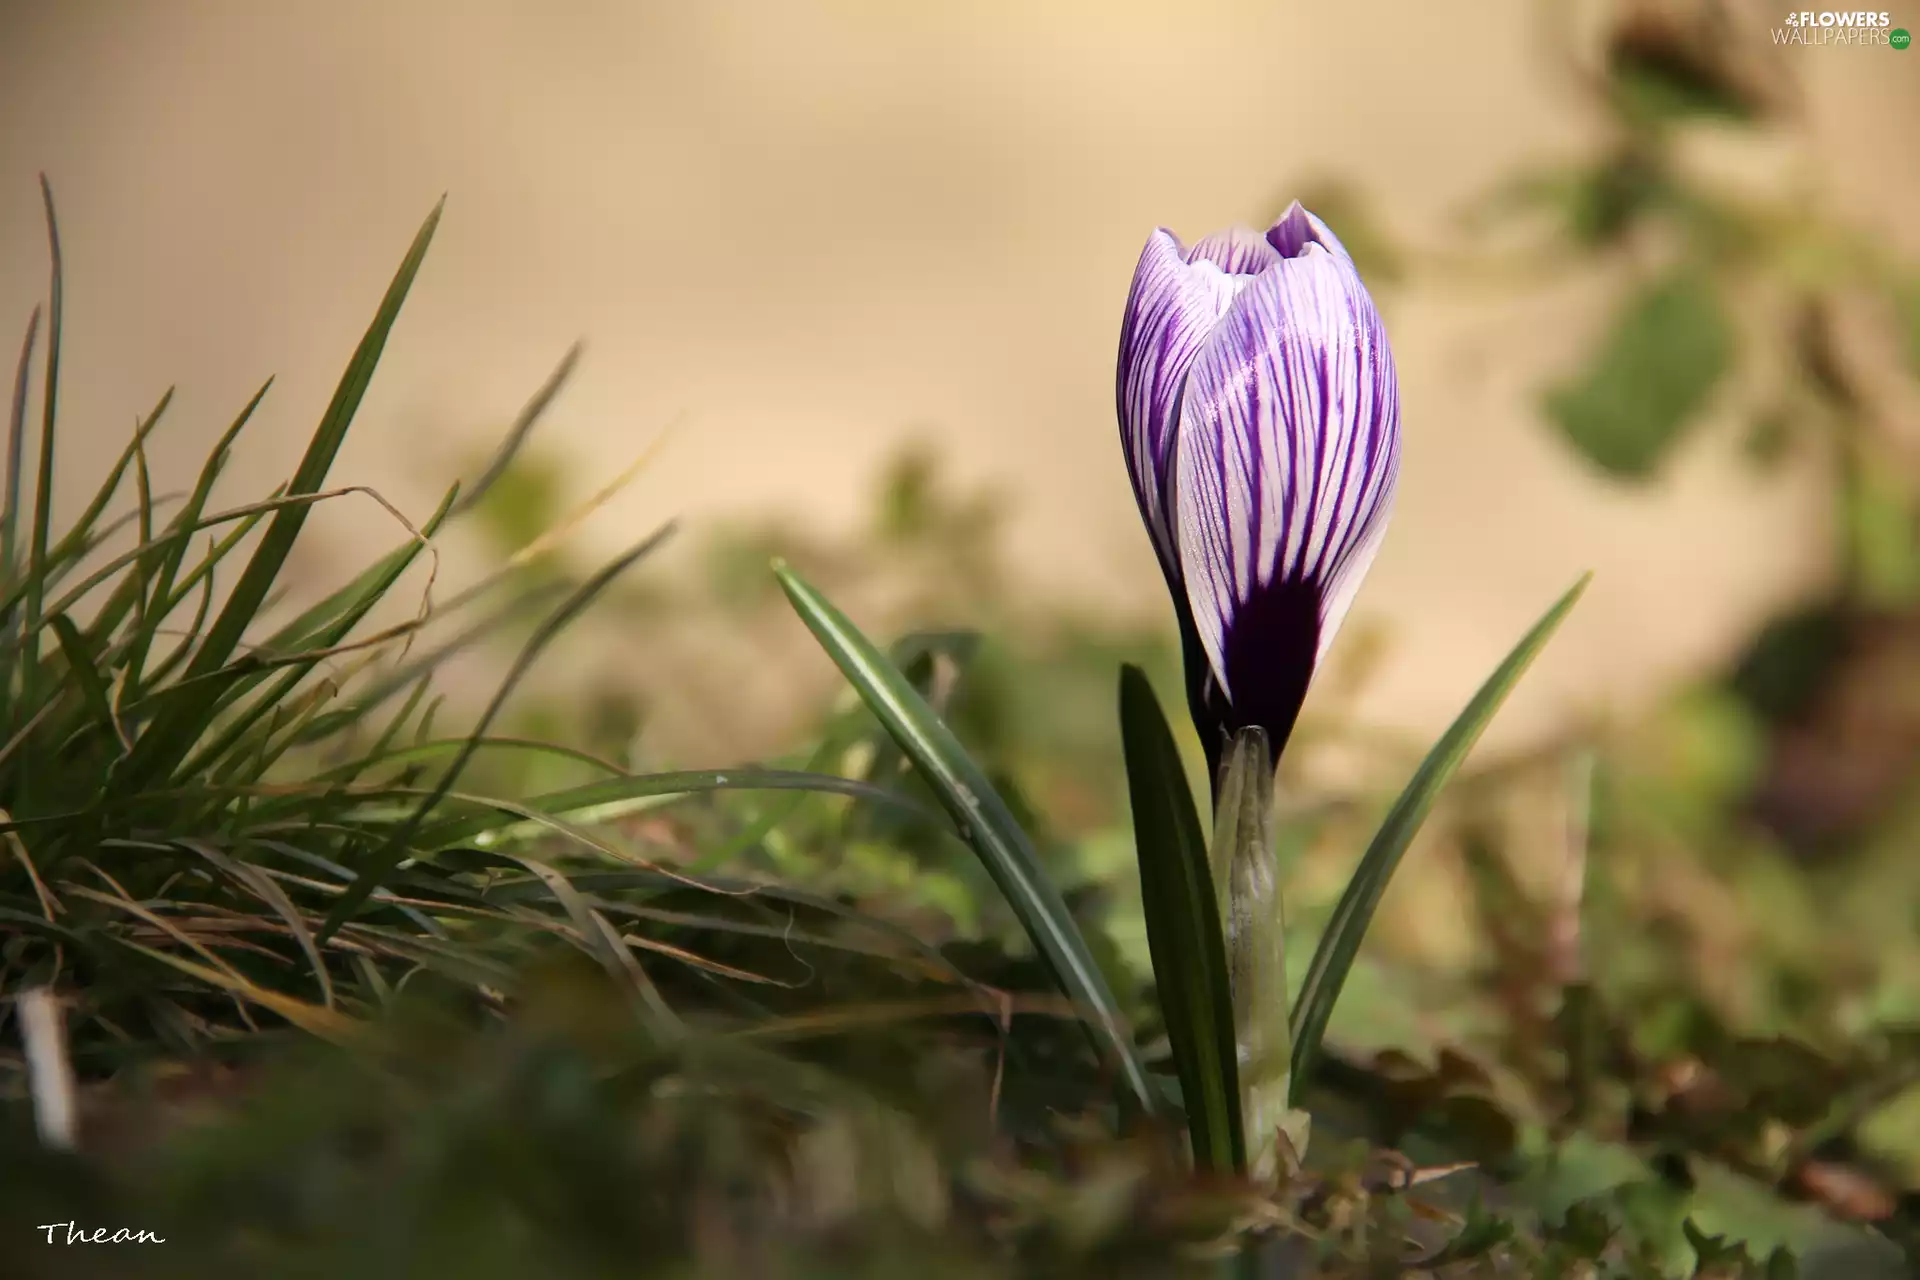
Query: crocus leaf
x=982 y=817
x=1669 y=348
x=1333 y=957
x=1183 y=929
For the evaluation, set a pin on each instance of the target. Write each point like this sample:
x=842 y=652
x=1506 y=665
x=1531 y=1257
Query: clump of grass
x=209 y=832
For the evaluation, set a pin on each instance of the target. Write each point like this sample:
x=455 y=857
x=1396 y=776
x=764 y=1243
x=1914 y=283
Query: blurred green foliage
x=1669 y=348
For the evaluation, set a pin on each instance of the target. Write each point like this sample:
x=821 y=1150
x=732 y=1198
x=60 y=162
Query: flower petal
x=1288 y=453
x=1171 y=309
x=1236 y=251
x=1297 y=229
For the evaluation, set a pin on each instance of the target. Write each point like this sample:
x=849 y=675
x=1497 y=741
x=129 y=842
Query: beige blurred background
x=806 y=229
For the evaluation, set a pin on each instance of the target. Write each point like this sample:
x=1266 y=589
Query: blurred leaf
x=1880 y=533
x=525 y=501
x=1665 y=69
x=1177 y=897
x=1790 y=660
x=1669 y=348
x=1605 y=201
x=982 y=817
x=1906 y=299
x=1334 y=957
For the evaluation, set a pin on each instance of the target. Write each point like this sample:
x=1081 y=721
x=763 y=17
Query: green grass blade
x=516 y=437
x=80 y=537
x=983 y=819
x=395 y=850
x=43 y=484
x=185 y=719
x=318 y=630
x=1183 y=929
x=263 y=570
x=180 y=538
x=1333 y=958
x=327 y=623
x=86 y=535
x=16 y=450
x=93 y=690
x=614 y=797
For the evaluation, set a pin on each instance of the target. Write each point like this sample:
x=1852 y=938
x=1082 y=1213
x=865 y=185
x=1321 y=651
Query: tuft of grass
x=208 y=834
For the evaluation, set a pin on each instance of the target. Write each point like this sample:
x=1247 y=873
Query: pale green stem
x=1248 y=882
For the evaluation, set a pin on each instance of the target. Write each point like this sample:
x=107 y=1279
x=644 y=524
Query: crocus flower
x=1261 y=418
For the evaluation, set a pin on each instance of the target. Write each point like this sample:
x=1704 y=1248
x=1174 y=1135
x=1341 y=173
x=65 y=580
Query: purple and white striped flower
x=1261 y=418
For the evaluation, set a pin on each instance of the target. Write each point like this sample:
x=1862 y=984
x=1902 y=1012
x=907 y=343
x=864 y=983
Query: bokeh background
x=849 y=277
x=796 y=236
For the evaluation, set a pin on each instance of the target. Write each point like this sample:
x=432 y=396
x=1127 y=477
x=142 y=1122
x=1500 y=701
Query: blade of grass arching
x=394 y=849
x=180 y=537
x=423 y=752
x=173 y=731
x=319 y=627
x=16 y=453
x=1334 y=956
x=319 y=630
x=1183 y=929
x=617 y=797
x=43 y=481
x=1249 y=892
x=778 y=813
x=263 y=570
x=983 y=819
x=409 y=673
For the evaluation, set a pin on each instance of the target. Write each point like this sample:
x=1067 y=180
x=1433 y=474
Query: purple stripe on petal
x=1287 y=457
x=1236 y=251
x=1171 y=309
